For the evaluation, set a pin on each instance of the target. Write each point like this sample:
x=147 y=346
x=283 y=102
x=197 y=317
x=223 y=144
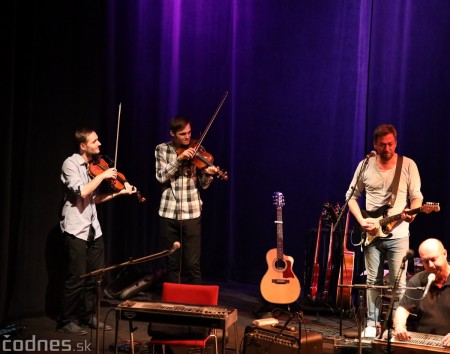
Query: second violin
x=203 y=159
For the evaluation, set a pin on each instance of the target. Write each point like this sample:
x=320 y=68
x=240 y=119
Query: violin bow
x=199 y=142
x=117 y=135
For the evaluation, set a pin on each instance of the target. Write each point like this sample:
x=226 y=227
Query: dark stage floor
x=243 y=297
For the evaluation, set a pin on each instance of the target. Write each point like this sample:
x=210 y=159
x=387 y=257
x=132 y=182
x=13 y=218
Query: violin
x=98 y=165
x=203 y=159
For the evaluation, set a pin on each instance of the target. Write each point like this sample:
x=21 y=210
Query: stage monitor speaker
x=268 y=340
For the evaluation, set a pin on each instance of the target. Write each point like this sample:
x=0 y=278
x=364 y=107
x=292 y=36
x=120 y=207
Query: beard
x=386 y=156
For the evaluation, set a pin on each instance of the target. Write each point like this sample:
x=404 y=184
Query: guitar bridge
x=280 y=281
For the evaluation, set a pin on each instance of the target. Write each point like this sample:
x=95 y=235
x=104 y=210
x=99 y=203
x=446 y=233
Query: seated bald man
x=433 y=310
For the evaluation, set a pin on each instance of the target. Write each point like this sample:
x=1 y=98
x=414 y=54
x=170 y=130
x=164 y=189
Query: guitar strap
x=396 y=180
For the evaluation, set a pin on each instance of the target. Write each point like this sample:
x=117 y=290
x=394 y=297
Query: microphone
x=371 y=154
x=409 y=254
x=431 y=279
x=176 y=245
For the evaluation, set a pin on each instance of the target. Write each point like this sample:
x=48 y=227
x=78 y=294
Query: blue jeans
x=392 y=250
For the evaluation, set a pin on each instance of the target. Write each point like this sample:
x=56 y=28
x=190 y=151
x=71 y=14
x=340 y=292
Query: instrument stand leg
x=361 y=315
x=341 y=309
x=131 y=329
x=299 y=316
x=99 y=292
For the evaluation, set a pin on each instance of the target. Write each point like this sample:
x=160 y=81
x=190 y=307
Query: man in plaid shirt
x=180 y=207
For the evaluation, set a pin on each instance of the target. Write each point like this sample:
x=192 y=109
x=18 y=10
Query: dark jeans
x=185 y=260
x=80 y=295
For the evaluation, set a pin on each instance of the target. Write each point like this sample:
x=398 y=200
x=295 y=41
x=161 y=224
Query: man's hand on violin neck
x=129 y=188
x=211 y=170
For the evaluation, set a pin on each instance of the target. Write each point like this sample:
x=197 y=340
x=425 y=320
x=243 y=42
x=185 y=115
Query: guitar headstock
x=429 y=207
x=330 y=213
x=278 y=199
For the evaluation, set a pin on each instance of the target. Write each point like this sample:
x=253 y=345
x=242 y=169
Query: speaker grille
x=267 y=340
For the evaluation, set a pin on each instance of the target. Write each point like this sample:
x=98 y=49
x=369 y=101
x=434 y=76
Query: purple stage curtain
x=308 y=82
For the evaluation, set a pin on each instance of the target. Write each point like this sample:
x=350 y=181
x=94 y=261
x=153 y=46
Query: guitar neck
x=279 y=223
x=319 y=231
x=389 y=219
x=347 y=220
x=329 y=265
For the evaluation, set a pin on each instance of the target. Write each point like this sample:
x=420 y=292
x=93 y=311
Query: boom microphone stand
x=387 y=325
x=341 y=213
x=361 y=312
x=98 y=276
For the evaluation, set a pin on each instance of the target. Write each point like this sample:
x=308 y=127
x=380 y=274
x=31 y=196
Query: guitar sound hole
x=280 y=264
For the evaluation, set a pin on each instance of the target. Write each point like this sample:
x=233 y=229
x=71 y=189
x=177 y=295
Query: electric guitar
x=279 y=285
x=384 y=224
x=330 y=213
x=316 y=265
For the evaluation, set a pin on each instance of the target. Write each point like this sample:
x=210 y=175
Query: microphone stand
x=361 y=312
x=98 y=276
x=388 y=319
x=341 y=213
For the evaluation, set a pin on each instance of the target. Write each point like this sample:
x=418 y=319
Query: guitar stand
x=318 y=307
x=269 y=307
x=262 y=309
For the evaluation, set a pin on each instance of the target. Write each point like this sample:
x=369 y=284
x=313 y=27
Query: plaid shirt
x=180 y=182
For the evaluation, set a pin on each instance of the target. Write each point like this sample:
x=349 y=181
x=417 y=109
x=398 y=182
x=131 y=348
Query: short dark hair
x=178 y=123
x=384 y=129
x=80 y=136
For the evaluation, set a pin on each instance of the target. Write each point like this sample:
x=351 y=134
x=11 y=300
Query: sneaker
x=72 y=328
x=92 y=323
x=369 y=332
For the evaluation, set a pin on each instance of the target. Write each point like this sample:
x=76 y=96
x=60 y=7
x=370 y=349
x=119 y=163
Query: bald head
x=431 y=245
x=434 y=258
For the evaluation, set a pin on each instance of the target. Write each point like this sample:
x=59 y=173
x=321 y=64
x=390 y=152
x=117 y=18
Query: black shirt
x=433 y=312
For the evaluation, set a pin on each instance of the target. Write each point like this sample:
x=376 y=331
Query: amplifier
x=268 y=340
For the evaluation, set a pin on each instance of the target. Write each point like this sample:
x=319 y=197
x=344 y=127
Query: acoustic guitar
x=279 y=285
x=344 y=294
x=384 y=224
